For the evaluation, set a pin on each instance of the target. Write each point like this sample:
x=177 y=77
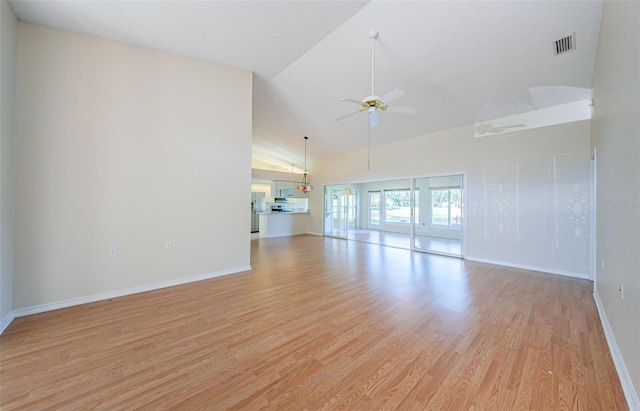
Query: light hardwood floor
x=425 y=243
x=323 y=323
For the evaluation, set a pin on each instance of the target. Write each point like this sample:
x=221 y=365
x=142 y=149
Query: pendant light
x=305 y=186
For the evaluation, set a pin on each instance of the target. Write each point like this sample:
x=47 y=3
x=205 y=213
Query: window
x=446 y=207
x=398 y=206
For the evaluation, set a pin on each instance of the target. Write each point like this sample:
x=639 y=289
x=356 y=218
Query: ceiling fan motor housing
x=373 y=102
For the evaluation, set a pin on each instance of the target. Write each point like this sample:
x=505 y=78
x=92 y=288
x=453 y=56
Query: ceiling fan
x=373 y=103
x=482 y=128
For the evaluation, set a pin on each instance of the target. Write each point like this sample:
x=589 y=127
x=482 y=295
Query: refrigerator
x=258 y=204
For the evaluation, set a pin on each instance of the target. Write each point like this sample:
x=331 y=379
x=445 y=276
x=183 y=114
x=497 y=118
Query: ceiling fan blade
x=494 y=130
x=402 y=109
x=500 y=129
x=373 y=118
x=348 y=115
x=392 y=95
x=482 y=127
x=350 y=100
x=488 y=127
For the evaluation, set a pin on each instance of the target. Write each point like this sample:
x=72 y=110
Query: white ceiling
x=459 y=62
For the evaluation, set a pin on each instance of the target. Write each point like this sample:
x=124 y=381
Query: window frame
x=410 y=217
x=449 y=223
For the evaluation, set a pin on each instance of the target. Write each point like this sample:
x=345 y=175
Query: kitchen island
x=282 y=224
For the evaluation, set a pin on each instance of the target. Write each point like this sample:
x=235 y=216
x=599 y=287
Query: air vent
x=566 y=44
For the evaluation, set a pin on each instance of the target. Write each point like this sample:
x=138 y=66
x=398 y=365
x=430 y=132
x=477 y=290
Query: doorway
x=374 y=210
x=340 y=210
x=438 y=224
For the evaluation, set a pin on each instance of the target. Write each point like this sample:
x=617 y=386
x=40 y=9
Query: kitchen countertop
x=282 y=212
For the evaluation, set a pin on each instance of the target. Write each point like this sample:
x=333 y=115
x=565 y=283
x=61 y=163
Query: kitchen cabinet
x=283 y=224
x=290 y=192
x=287 y=189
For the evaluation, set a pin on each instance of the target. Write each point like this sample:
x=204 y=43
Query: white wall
x=527 y=192
x=8 y=24
x=262 y=188
x=122 y=146
x=616 y=137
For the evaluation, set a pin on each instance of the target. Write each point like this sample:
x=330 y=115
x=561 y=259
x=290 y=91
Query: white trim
x=312 y=233
x=6 y=321
x=35 y=309
x=465 y=217
x=593 y=239
x=581 y=276
x=625 y=379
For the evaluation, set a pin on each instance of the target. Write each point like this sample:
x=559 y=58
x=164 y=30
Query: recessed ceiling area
x=459 y=63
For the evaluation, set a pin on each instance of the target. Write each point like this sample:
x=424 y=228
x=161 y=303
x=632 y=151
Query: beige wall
x=616 y=137
x=8 y=24
x=527 y=192
x=123 y=146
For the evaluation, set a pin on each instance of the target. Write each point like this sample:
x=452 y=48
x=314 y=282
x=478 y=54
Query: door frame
x=369 y=225
x=593 y=176
x=463 y=208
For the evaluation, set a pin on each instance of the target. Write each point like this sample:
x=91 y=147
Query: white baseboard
x=4 y=323
x=625 y=379
x=35 y=309
x=312 y=233
x=530 y=267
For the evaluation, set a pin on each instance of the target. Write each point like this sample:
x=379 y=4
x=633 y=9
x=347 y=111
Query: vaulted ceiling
x=459 y=62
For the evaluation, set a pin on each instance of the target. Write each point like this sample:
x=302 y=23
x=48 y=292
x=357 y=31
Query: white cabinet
x=286 y=189
x=283 y=224
x=288 y=192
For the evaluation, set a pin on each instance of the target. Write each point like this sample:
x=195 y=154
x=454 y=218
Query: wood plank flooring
x=323 y=324
x=400 y=240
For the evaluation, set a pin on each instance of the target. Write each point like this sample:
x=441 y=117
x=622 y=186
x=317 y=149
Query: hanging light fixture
x=305 y=186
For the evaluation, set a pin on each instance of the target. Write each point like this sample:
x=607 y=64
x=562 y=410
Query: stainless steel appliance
x=258 y=204
x=280 y=208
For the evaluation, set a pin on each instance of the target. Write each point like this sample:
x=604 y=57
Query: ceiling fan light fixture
x=373 y=117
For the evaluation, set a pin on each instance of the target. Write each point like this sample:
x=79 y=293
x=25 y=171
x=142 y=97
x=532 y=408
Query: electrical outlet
x=113 y=251
x=621 y=291
x=602 y=263
x=167 y=246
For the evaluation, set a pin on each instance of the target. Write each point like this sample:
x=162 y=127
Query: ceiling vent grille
x=565 y=44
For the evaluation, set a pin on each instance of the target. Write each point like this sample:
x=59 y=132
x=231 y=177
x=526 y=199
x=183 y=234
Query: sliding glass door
x=340 y=210
x=374 y=209
x=422 y=214
x=438 y=225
